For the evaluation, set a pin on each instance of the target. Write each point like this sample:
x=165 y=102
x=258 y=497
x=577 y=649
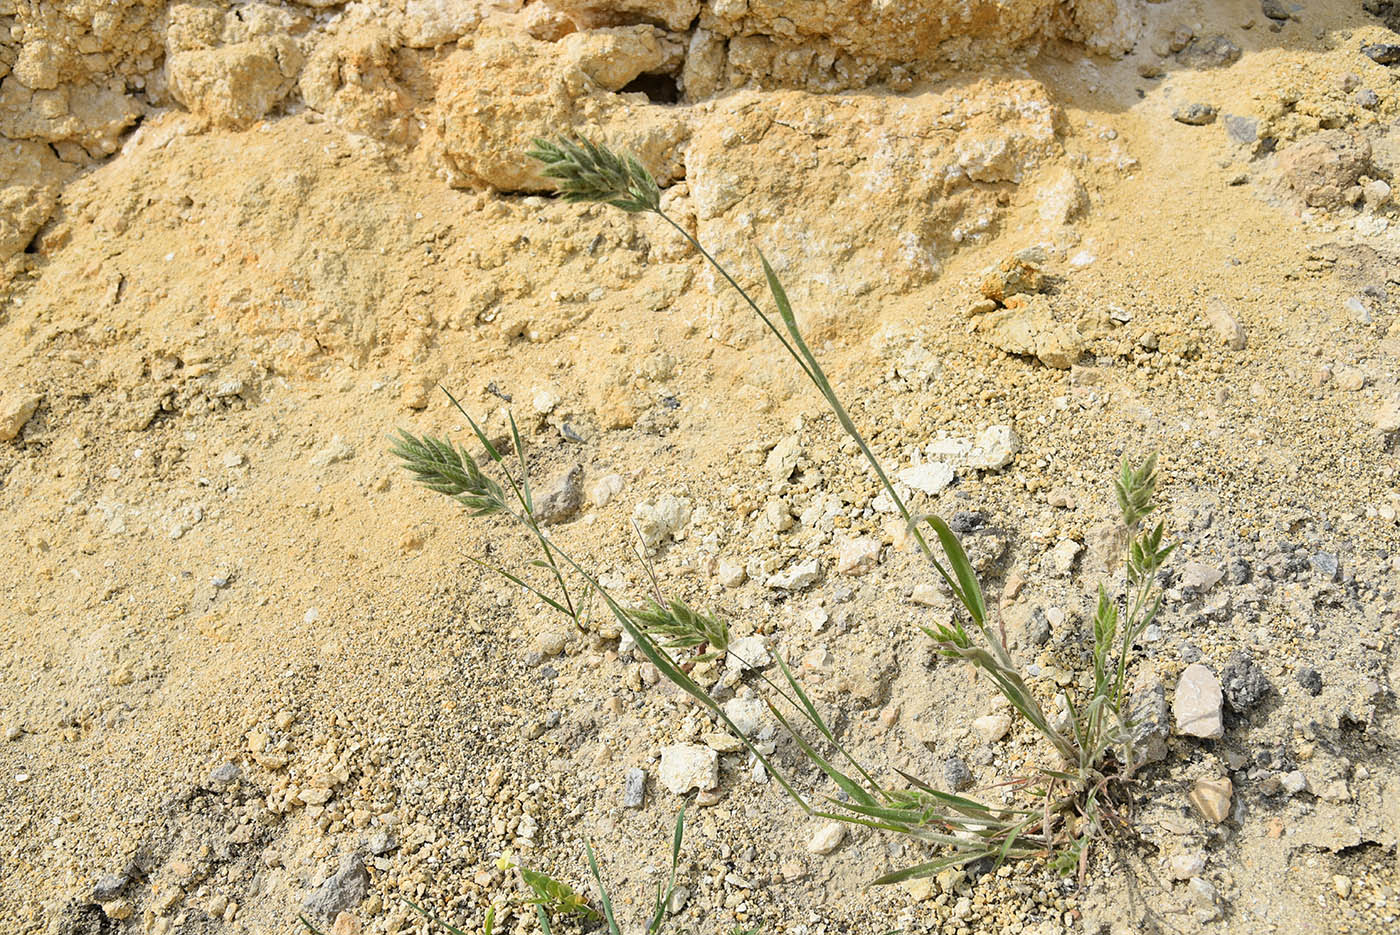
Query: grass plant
x=1060 y=811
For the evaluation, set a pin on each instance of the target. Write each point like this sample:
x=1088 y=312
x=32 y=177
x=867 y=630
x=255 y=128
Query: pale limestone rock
x=827 y=839
x=846 y=175
x=840 y=44
x=686 y=766
x=16 y=408
x=1226 y=325
x=1200 y=577
x=1061 y=197
x=236 y=84
x=1060 y=559
x=994 y=448
x=604 y=489
x=731 y=574
x=350 y=78
x=796 y=577
x=338 y=450
x=431 y=23
x=484 y=132
x=1185 y=866
x=66 y=80
x=746 y=653
x=662 y=519
x=746 y=713
x=30 y=177
x=991 y=727
x=673 y=14
x=1196 y=706
x=1386 y=415
x=857 y=556
x=613 y=57
x=782 y=460
x=1028 y=326
x=931 y=477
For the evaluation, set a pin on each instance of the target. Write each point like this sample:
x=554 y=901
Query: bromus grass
x=1058 y=812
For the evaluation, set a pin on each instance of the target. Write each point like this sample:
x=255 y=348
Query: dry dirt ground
x=237 y=645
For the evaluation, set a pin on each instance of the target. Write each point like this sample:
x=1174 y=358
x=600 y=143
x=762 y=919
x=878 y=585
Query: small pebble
x=1195 y=115
x=634 y=789
x=1212 y=797
x=827 y=838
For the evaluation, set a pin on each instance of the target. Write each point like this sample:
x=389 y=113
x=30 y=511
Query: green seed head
x=587 y=171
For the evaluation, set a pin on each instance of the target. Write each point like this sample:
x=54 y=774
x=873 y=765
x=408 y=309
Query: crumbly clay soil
x=244 y=663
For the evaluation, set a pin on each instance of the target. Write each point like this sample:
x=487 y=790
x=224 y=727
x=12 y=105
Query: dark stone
x=1325 y=564
x=1241 y=129
x=1038 y=629
x=956 y=774
x=109 y=887
x=1211 y=52
x=1195 y=115
x=1382 y=53
x=1238 y=571
x=1311 y=680
x=342 y=892
x=84 y=919
x=1243 y=682
x=966 y=521
x=1274 y=9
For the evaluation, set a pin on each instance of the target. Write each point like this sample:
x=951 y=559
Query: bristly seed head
x=1135 y=489
x=587 y=171
x=440 y=466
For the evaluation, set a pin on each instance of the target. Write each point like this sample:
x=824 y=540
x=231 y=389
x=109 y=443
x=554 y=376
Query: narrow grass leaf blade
x=847 y=784
x=930 y=868
x=603 y=897
x=971 y=595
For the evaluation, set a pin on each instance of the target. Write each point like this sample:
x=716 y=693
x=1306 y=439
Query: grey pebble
x=1243 y=682
x=966 y=521
x=1325 y=564
x=561 y=498
x=224 y=774
x=635 y=790
x=1238 y=571
x=1311 y=680
x=341 y=892
x=1038 y=630
x=109 y=887
x=1211 y=52
x=1241 y=129
x=1382 y=53
x=381 y=843
x=956 y=774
